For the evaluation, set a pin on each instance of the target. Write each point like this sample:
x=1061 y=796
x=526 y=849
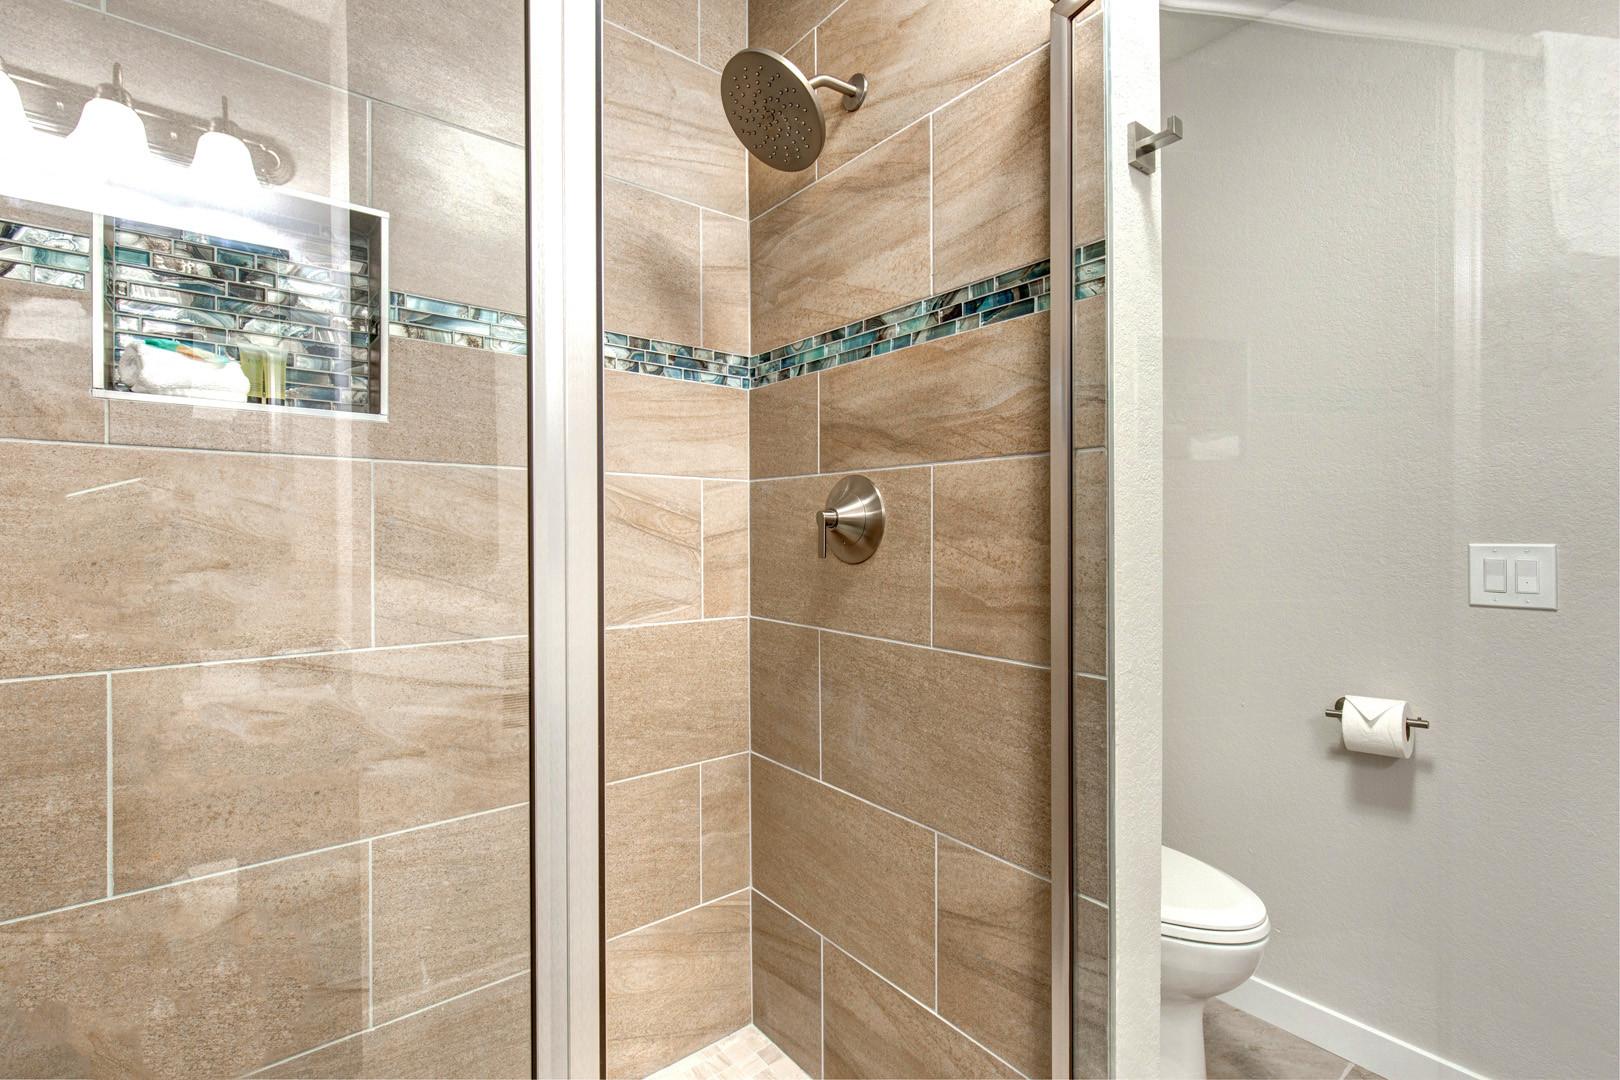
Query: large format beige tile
x=445 y=403
x=1091 y=787
x=456 y=206
x=651 y=549
x=53 y=794
x=225 y=765
x=1090 y=562
x=478 y=1037
x=79 y=44
x=669 y=426
x=663 y=126
x=725 y=826
x=852 y=245
x=995 y=956
x=768 y=186
x=782 y=427
x=209 y=978
x=671 y=23
x=45 y=365
x=887 y=595
x=787 y=983
x=978 y=394
x=861 y=876
x=777 y=24
x=873 y=1030
x=674 y=695
x=652 y=265
x=452 y=552
x=918 y=54
x=468 y=70
x=450 y=910
x=725 y=284
x=1090 y=121
x=722 y=31
x=725 y=548
x=957 y=743
x=676 y=986
x=189 y=557
x=785 y=690
x=992 y=578
x=650 y=839
x=1089 y=385
x=990 y=176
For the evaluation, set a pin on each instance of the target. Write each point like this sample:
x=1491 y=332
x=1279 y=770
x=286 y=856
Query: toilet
x=1212 y=930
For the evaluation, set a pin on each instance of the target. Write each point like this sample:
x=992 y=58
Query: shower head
x=772 y=107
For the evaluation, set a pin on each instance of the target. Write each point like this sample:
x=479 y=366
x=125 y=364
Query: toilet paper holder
x=1337 y=713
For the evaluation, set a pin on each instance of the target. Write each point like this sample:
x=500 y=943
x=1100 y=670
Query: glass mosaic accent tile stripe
x=218 y=295
x=1009 y=295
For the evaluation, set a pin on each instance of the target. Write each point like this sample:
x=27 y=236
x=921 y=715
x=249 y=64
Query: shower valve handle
x=826 y=520
x=851 y=523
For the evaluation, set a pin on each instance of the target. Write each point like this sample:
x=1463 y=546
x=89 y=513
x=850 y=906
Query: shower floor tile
x=745 y=1054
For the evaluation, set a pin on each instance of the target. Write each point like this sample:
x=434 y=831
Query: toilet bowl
x=1212 y=930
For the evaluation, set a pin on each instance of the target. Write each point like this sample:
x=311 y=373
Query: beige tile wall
x=264 y=701
x=900 y=706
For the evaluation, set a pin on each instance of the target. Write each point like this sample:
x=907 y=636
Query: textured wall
x=219 y=855
x=1374 y=357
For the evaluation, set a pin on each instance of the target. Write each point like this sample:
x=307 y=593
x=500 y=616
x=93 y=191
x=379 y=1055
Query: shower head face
x=772 y=109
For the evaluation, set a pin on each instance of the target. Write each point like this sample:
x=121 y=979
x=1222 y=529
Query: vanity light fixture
x=222 y=168
x=109 y=130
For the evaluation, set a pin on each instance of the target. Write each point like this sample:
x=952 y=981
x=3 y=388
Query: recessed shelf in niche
x=287 y=309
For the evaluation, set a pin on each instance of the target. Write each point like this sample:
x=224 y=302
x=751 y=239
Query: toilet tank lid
x=1195 y=894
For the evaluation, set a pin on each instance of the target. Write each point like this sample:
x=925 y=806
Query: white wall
x=1380 y=347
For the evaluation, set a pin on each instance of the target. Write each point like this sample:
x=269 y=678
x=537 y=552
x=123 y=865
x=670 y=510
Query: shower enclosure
x=264 y=670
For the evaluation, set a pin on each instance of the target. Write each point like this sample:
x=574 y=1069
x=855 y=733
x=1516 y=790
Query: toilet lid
x=1198 y=897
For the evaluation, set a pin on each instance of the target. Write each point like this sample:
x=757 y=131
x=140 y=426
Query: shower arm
x=854 y=90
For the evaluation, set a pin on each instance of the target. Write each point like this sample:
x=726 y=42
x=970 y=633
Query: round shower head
x=772 y=107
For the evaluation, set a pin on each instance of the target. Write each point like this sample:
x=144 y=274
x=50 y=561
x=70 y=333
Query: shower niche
x=285 y=307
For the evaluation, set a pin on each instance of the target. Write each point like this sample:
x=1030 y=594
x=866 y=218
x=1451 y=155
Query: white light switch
x=1532 y=583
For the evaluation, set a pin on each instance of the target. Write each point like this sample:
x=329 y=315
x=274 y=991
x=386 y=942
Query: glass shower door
x=264 y=690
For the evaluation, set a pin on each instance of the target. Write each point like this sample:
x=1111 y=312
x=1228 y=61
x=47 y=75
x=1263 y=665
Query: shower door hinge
x=1144 y=145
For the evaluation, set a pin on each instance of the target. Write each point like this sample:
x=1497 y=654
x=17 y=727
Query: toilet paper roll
x=1374 y=725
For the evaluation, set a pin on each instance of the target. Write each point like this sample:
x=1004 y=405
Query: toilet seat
x=1200 y=903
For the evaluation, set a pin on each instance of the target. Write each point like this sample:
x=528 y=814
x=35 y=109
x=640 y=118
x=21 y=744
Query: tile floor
x=745 y=1054
x=1238 y=1046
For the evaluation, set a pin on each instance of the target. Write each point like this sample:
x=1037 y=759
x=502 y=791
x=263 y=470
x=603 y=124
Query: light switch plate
x=1545 y=594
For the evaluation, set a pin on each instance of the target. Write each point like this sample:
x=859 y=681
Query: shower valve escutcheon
x=851 y=524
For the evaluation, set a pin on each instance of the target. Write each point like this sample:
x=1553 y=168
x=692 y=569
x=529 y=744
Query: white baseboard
x=1337 y=1033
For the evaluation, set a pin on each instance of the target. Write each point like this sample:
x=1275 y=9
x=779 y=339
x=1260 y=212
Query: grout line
x=936 y=920
x=373 y=553
x=896 y=814
x=674 y=622
x=907 y=644
x=674 y=476
x=1033 y=454
x=931 y=582
x=676 y=915
x=673 y=199
x=311 y=654
x=665 y=48
x=932 y=289
x=676 y=768
x=700 y=832
x=178 y=882
x=821 y=729
x=276 y=455
x=826 y=939
x=1348 y=1065
x=377 y=1027
x=371 y=936
x=109 y=789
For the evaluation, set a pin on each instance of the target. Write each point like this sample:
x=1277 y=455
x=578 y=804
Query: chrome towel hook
x=1144 y=145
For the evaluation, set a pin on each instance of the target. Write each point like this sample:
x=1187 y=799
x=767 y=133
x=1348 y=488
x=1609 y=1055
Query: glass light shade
x=110 y=133
x=222 y=169
x=18 y=156
x=13 y=121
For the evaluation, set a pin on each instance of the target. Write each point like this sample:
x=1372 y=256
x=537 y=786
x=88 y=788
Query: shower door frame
x=563 y=59
x=1133 y=445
